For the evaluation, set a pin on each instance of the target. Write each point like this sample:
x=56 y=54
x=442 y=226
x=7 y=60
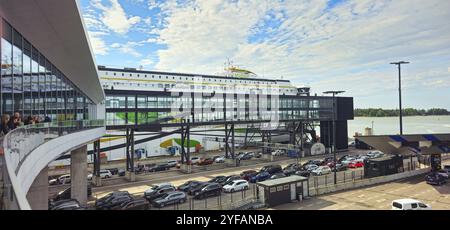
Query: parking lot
x=378 y=197
x=225 y=200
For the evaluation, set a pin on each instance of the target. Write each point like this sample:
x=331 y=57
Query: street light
x=399 y=64
x=334 y=130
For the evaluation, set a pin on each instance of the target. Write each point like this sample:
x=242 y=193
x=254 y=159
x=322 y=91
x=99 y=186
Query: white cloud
x=98 y=44
x=348 y=47
x=146 y=62
x=128 y=48
x=114 y=16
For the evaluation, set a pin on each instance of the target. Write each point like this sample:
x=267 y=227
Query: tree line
x=374 y=112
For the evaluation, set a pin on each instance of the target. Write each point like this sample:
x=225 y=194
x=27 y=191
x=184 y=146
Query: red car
x=246 y=175
x=357 y=164
x=206 y=161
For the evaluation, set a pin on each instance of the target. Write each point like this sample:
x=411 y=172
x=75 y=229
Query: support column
x=78 y=174
x=96 y=179
x=38 y=194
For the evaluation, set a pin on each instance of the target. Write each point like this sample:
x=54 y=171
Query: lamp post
x=334 y=93
x=399 y=64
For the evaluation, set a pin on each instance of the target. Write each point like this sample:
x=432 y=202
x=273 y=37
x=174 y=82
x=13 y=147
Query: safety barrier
x=29 y=149
x=320 y=190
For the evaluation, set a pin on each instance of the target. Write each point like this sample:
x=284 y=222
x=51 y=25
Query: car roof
x=406 y=200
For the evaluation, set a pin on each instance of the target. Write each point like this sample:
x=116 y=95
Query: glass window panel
x=6 y=59
x=17 y=72
x=28 y=105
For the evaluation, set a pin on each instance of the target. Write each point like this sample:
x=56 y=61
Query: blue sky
x=327 y=45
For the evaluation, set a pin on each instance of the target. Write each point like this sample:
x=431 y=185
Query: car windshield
x=397 y=205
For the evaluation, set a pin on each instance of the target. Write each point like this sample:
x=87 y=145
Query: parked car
x=114 y=203
x=258 y=155
x=230 y=178
x=348 y=160
x=220 y=159
x=351 y=144
x=159 y=192
x=159 y=168
x=310 y=167
x=435 y=179
x=236 y=185
x=303 y=173
x=262 y=176
x=446 y=168
x=172 y=163
x=443 y=173
x=156 y=187
x=197 y=188
x=113 y=171
x=66 y=194
x=246 y=175
x=321 y=170
x=317 y=162
x=339 y=168
x=64 y=179
x=121 y=172
x=104 y=174
x=292 y=165
x=271 y=169
x=409 y=204
x=136 y=204
x=194 y=160
x=206 y=161
x=211 y=189
x=374 y=154
x=218 y=179
x=176 y=197
x=69 y=204
x=277 y=176
x=110 y=196
x=355 y=164
x=188 y=185
x=248 y=156
x=342 y=158
x=278 y=152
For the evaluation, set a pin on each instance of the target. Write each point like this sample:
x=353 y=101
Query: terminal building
x=47 y=71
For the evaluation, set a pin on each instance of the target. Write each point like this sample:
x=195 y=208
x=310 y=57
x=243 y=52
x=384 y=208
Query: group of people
x=9 y=123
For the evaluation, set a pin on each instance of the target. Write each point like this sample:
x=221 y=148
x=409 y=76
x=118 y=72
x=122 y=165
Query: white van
x=409 y=204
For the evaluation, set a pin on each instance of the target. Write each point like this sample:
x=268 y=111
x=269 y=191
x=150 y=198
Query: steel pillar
x=185 y=141
x=130 y=150
x=229 y=141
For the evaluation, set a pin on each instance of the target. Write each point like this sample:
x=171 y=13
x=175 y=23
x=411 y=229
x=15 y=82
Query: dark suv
x=159 y=192
x=212 y=189
x=66 y=193
x=272 y=169
x=158 y=168
x=435 y=179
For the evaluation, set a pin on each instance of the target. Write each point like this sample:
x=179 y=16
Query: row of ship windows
x=186 y=78
x=168 y=86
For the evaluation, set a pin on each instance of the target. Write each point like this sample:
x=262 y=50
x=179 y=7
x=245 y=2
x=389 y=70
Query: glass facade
x=32 y=85
x=132 y=108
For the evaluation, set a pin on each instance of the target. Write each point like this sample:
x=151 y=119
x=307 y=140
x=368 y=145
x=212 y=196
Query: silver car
x=176 y=197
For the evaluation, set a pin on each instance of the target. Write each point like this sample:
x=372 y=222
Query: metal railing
x=23 y=140
x=19 y=143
